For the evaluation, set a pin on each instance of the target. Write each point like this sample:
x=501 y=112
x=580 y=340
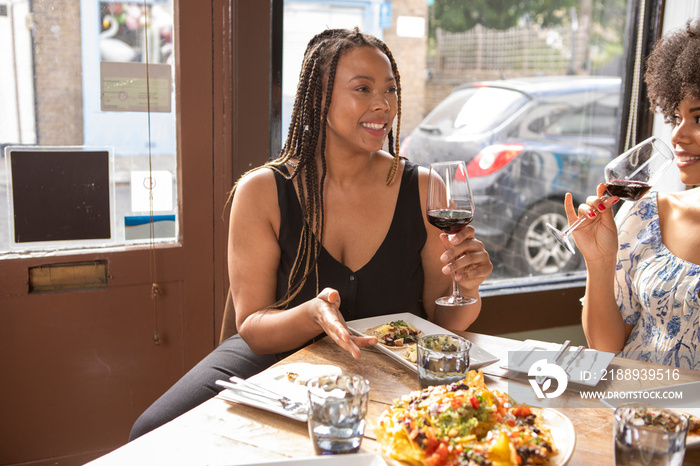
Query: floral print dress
x=657 y=292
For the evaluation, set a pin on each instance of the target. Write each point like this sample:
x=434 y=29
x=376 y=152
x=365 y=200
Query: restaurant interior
x=95 y=328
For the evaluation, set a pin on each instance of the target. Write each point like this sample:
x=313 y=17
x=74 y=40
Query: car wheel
x=532 y=250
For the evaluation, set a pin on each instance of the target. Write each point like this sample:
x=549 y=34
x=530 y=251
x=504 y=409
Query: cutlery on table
x=240 y=385
x=578 y=351
x=565 y=346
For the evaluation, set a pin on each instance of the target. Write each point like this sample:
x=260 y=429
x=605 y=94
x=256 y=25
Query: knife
x=287 y=404
x=568 y=363
x=565 y=346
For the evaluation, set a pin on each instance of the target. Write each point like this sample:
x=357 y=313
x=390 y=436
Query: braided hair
x=673 y=70
x=307 y=132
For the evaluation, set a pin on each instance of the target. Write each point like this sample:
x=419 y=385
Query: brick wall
x=59 y=93
x=409 y=53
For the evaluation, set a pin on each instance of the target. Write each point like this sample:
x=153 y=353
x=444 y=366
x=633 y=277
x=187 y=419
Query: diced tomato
x=437 y=458
x=475 y=402
x=510 y=422
x=521 y=411
x=431 y=442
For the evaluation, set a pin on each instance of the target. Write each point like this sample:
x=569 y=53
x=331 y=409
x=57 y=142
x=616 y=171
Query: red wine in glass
x=450 y=207
x=450 y=220
x=627 y=190
x=629 y=176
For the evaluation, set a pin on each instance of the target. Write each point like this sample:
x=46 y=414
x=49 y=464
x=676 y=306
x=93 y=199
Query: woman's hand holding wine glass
x=450 y=207
x=629 y=176
x=596 y=240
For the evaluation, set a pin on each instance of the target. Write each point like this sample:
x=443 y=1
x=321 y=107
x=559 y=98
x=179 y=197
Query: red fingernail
x=616 y=201
x=591 y=213
x=601 y=206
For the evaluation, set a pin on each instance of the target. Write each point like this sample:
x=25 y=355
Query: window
x=93 y=75
x=529 y=98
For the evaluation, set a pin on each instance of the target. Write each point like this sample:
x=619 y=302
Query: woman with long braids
x=334 y=229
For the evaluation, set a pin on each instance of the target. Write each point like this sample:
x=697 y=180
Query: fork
x=262 y=392
x=568 y=363
x=565 y=346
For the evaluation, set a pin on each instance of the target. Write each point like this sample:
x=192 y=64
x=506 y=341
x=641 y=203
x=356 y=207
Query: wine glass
x=450 y=207
x=629 y=176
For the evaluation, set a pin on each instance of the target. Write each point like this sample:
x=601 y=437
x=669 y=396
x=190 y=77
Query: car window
x=474 y=110
x=443 y=116
x=486 y=109
x=598 y=118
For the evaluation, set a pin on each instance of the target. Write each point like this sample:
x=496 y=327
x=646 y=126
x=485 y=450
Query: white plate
x=276 y=379
x=356 y=459
x=477 y=357
x=563 y=434
x=587 y=369
x=688 y=404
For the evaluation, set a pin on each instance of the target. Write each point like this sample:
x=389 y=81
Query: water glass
x=649 y=436
x=337 y=409
x=442 y=359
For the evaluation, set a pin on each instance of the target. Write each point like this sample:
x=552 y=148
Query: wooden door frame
x=242 y=50
x=215 y=122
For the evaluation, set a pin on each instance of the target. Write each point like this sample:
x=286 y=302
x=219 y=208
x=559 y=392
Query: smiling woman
x=357 y=89
x=342 y=236
x=642 y=291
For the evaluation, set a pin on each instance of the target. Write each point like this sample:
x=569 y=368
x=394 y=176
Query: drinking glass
x=442 y=359
x=648 y=436
x=450 y=207
x=629 y=176
x=337 y=410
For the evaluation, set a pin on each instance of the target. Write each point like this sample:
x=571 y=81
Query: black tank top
x=391 y=282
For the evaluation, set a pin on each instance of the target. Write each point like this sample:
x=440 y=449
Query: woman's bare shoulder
x=259 y=182
x=689 y=196
x=256 y=191
x=680 y=200
x=423 y=172
x=423 y=175
x=257 y=179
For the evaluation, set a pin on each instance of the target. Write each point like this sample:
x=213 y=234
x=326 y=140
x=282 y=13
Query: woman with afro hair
x=333 y=229
x=643 y=283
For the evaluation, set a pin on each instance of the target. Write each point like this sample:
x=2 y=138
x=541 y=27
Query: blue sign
x=385 y=15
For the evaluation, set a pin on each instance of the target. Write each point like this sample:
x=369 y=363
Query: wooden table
x=222 y=432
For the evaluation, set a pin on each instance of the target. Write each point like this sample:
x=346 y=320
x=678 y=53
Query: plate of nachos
x=397 y=334
x=466 y=423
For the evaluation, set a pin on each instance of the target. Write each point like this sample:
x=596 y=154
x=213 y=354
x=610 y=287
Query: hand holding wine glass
x=450 y=207
x=629 y=176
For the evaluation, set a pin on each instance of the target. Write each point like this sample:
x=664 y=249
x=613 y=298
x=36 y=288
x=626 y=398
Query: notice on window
x=151 y=191
x=131 y=87
x=410 y=26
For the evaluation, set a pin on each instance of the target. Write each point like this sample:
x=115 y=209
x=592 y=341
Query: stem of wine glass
x=574 y=225
x=455 y=287
x=456 y=298
x=581 y=219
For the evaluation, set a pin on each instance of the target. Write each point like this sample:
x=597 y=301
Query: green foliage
x=460 y=15
x=607 y=20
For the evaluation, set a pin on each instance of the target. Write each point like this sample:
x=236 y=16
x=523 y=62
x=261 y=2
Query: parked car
x=527 y=142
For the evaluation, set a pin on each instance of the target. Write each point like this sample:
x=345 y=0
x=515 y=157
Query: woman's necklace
x=291 y=164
